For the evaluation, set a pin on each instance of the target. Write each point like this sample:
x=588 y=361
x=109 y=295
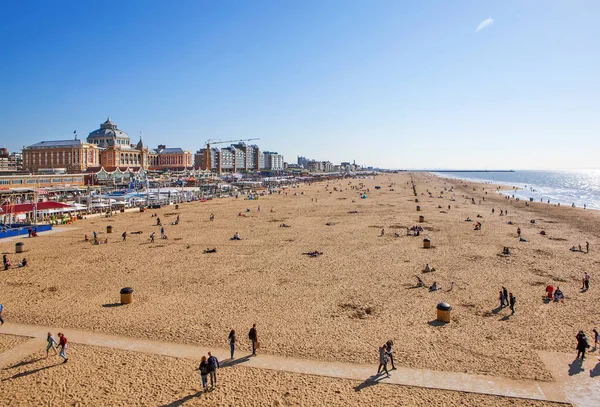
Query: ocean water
x=566 y=187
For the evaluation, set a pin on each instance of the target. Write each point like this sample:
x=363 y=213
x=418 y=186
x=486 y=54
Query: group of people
x=556 y=295
x=7 y=264
x=507 y=299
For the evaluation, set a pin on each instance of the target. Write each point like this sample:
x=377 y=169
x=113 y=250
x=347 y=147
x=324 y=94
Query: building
x=71 y=155
x=107 y=147
x=10 y=162
x=273 y=161
x=234 y=158
x=34 y=182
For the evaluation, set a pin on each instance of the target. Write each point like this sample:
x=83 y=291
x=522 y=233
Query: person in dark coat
x=582 y=344
x=204 y=372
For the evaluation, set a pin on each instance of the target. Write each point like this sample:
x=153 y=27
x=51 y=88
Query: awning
x=24 y=208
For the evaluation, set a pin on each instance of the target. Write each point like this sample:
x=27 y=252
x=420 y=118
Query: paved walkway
x=580 y=391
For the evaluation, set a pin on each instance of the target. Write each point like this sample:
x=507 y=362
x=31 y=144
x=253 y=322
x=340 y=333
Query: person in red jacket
x=62 y=344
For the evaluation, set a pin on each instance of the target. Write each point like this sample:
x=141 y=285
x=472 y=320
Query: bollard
x=426 y=243
x=19 y=247
x=109 y=229
x=421 y=219
x=126 y=295
x=443 y=312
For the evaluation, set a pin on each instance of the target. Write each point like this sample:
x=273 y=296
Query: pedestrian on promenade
x=232 y=340
x=204 y=373
x=1 y=309
x=52 y=344
x=390 y=352
x=512 y=301
x=253 y=336
x=62 y=343
x=213 y=365
x=582 y=344
x=383 y=360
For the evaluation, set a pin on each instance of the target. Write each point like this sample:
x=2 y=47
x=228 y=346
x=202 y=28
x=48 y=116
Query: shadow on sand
x=435 y=322
x=371 y=381
x=183 y=400
x=233 y=362
x=30 y=372
x=112 y=305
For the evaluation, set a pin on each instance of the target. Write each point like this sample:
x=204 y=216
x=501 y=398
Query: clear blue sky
x=391 y=83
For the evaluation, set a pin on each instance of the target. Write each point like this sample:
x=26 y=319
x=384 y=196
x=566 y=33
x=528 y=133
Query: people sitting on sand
x=420 y=282
x=522 y=240
x=574 y=249
x=558 y=295
x=236 y=236
x=435 y=287
x=532 y=221
x=396 y=234
x=543 y=233
x=247 y=209
x=468 y=220
x=479 y=216
x=175 y=223
x=158 y=222
x=428 y=268
x=212 y=217
x=283 y=225
x=477 y=226
x=506 y=251
x=313 y=254
x=164 y=236
x=23 y=263
x=6 y=264
x=213 y=250
x=549 y=291
x=330 y=224
x=34 y=233
x=451 y=286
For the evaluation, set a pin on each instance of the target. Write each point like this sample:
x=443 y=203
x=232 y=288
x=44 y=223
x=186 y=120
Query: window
x=56 y=180
x=17 y=181
x=4 y=182
x=78 y=179
x=32 y=181
x=67 y=179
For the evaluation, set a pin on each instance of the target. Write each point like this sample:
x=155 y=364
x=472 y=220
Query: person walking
x=501 y=298
x=52 y=344
x=596 y=338
x=212 y=217
x=586 y=281
x=162 y=232
x=582 y=344
x=152 y=235
x=512 y=300
x=124 y=235
x=213 y=365
x=1 y=319
x=587 y=247
x=253 y=336
x=62 y=343
x=390 y=352
x=232 y=340
x=505 y=294
x=383 y=360
x=519 y=232
x=203 y=368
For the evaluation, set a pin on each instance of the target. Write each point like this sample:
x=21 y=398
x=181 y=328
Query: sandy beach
x=339 y=306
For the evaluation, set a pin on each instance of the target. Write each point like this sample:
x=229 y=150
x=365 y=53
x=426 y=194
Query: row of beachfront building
x=109 y=147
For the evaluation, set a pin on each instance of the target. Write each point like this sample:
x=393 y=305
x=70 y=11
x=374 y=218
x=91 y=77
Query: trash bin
x=417 y=200
x=426 y=243
x=126 y=295
x=418 y=208
x=421 y=219
x=19 y=247
x=443 y=312
x=177 y=206
x=109 y=229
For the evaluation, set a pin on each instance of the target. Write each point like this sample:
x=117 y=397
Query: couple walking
x=252 y=335
x=386 y=355
x=62 y=344
x=209 y=367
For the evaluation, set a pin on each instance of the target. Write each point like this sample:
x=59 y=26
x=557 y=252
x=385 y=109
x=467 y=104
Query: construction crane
x=209 y=142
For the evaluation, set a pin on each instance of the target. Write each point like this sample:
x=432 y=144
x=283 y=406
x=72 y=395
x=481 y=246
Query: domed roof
x=107 y=130
x=140 y=144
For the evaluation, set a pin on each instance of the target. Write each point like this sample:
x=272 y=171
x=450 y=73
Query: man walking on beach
x=62 y=343
x=213 y=364
x=253 y=336
x=1 y=320
x=51 y=344
x=124 y=235
x=152 y=237
x=582 y=344
x=586 y=281
x=587 y=247
x=512 y=301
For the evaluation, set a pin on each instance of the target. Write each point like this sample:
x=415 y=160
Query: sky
x=391 y=84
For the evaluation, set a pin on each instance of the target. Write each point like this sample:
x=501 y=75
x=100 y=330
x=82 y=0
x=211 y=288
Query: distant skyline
x=395 y=84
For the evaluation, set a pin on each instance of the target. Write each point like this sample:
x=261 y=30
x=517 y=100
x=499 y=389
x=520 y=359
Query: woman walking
x=232 y=340
x=383 y=360
x=204 y=373
x=52 y=344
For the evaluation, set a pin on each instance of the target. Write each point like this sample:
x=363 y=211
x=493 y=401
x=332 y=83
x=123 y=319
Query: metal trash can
x=443 y=312
x=126 y=295
x=418 y=208
x=19 y=247
x=426 y=243
x=109 y=229
x=177 y=206
x=421 y=219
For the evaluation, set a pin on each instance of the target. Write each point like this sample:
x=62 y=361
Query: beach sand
x=102 y=377
x=338 y=306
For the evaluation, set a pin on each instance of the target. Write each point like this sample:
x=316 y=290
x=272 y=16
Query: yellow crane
x=209 y=142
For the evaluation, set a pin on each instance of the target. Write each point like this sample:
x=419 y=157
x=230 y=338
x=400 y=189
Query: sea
x=568 y=187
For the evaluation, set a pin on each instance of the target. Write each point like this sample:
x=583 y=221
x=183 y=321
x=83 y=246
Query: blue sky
x=395 y=84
